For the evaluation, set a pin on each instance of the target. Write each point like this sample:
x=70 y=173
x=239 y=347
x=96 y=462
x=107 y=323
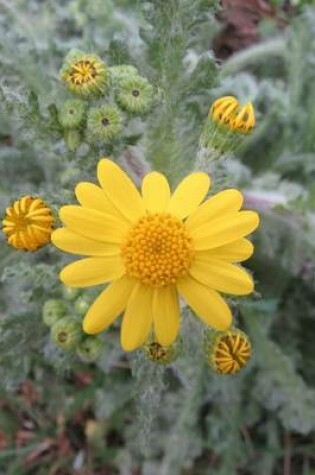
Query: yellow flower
x=154 y=247
x=228 y=352
x=28 y=223
x=228 y=112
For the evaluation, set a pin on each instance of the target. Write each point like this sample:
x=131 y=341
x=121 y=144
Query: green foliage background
x=183 y=419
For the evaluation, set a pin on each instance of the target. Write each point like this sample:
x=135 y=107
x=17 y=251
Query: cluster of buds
x=106 y=98
x=63 y=316
x=227 y=125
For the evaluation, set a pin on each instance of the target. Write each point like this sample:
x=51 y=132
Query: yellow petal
x=166 y=315
x=92 y=196
x=120 y=190
x=225 y=202
x=223 y=231
x=69 y=241
x=235 y=251
x=222 y=276
x=108 y=305
x=206 y=303
x=92 y=271
x=156 y=192
x=189 y=194
x=137 y=320
x=93 y=224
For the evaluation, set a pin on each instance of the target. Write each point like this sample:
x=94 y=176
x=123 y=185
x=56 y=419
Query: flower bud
x=85 y=74
x=53 y=310
x=81 y=306
x=227 y=352
x=72 y=113
x=104 y=123
x=66 y=333
x=90 y=348
x=28 y=223
x=135 y=95
x=73 y=139
x=69 y=293
x=227 y=124
x=159 y=354
x=123 y=71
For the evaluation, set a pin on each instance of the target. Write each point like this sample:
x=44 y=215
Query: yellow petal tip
x=89 y=327
x=126 y=346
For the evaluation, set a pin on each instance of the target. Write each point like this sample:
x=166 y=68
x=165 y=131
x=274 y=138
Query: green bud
x=104 y=123
x=72 y=113
x=73 y=139
x=66 y=333
x=90 y=348
x=69 y=293
x=53 y=310
x=135 y=95
x=123 y=71
x=159 y=354
x=81 y=306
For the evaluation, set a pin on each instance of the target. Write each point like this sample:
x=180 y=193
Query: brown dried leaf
x=241 y=20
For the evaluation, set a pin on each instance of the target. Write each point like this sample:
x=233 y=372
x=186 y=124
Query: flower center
x=135 y=93
x=82 y=72
x=157 y=250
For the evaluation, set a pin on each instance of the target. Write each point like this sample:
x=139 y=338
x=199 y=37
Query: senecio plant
x=157 y=250
x=135 y=170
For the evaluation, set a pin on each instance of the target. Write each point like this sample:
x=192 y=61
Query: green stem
x=254 y=54
x=179 y=439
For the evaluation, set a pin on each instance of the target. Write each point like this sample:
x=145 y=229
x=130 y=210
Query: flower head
x=90 y=348
x=104 y=123
x=227 y=125
x=53 y=310
x=227 y=112
x=84 y=74
x=66 y=333
x=28 y=223
x=159 y=354
x=227 y=352
x=153 y=247
x=72 y=113
x=135 y=94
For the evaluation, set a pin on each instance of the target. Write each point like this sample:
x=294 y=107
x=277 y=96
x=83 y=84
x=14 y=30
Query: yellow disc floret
x=157 y=250
x=28 y=223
